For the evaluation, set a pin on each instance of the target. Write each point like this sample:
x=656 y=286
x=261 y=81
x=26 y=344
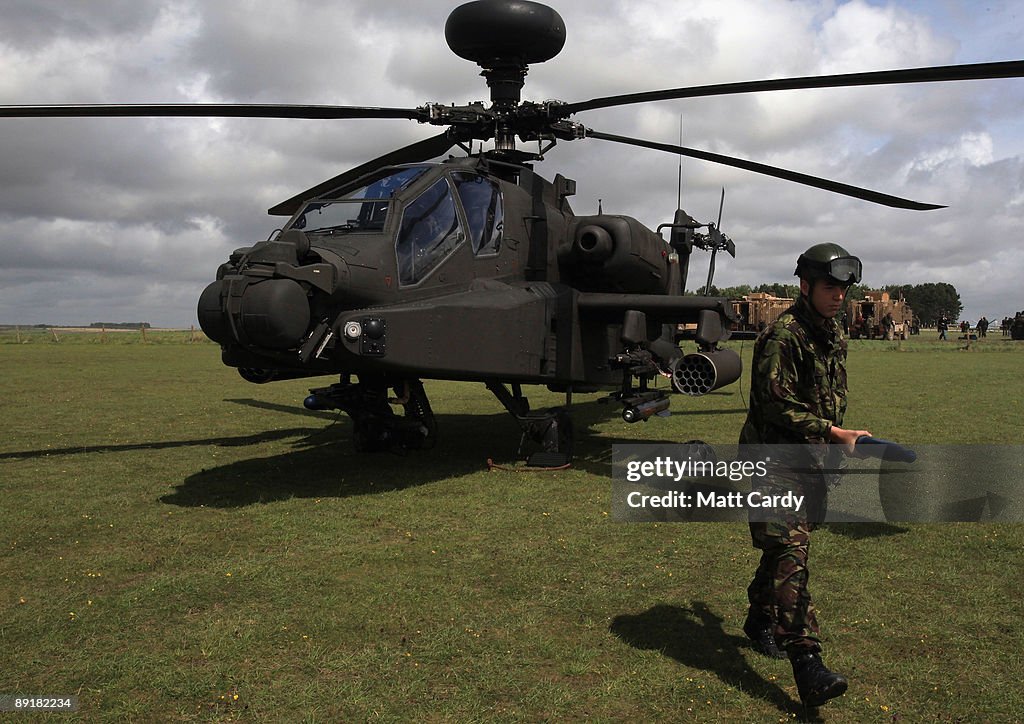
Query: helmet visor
x=845 y=269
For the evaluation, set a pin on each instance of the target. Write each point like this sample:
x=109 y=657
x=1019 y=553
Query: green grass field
x=181 y=545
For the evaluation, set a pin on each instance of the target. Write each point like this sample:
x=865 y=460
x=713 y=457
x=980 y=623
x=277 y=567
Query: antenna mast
x=679 y=182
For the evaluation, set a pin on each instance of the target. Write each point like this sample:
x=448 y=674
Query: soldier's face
x=826 y=297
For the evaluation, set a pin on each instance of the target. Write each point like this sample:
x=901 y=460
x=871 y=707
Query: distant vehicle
x=756 y=311
x=877 y=316
x=1017 y=327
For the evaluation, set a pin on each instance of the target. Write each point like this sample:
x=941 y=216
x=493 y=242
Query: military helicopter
x=475 y=268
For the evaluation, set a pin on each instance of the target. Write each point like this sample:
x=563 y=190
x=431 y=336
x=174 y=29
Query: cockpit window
x=388 y=184
x=430 y=232
x=361 y=209
x=481 y=199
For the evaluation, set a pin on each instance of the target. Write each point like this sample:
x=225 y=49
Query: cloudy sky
x=128 y=219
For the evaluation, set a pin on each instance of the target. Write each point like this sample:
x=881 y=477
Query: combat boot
x=759 y=630
x=814 y=681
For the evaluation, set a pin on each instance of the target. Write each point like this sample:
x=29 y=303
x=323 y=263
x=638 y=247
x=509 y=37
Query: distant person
x=798 y=397
x=942 y=326
x=889 y=326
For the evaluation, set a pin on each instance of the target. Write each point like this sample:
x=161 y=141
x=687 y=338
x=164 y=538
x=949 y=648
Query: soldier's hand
x=847 y=439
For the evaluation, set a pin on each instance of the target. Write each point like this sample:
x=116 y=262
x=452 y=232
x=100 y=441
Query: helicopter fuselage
x=470 y=269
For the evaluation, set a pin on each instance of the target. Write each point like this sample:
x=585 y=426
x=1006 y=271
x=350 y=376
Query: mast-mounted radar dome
x=505 y=32
x=503 y=37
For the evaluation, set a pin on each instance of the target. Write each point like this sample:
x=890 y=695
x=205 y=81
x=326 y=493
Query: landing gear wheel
x=553 y=431
x=371 y=435
x=376 y=427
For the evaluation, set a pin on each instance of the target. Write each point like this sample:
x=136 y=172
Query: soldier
x=889 y=326
x=798 y=397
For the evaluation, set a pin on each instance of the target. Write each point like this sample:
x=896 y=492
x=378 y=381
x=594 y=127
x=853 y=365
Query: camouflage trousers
x=778 y=591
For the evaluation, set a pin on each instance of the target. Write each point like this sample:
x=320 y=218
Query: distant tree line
x=120 y=325
x=782 y=291
x=94 y=325
x=792 y=291
x=929 y=301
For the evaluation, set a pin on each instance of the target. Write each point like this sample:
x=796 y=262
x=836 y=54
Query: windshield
x=362 y=209
x=387 y=184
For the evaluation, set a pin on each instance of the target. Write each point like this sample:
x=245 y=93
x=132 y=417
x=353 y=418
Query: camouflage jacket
x=798 y=380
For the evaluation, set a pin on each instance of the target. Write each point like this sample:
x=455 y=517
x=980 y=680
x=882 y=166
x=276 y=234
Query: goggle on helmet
x=829 y=261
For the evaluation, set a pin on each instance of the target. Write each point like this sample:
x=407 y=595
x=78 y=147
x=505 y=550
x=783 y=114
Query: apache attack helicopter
x=476 y=268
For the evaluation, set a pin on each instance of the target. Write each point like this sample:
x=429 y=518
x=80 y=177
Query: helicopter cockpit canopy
x=364 y=208
x=460 y=205
x=432 y=227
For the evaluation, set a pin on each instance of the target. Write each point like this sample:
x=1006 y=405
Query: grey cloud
x=29 y=23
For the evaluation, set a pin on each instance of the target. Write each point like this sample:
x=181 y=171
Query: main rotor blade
x=207 y=110
x=795 y=176
x=420 y=151
x=973 y=71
